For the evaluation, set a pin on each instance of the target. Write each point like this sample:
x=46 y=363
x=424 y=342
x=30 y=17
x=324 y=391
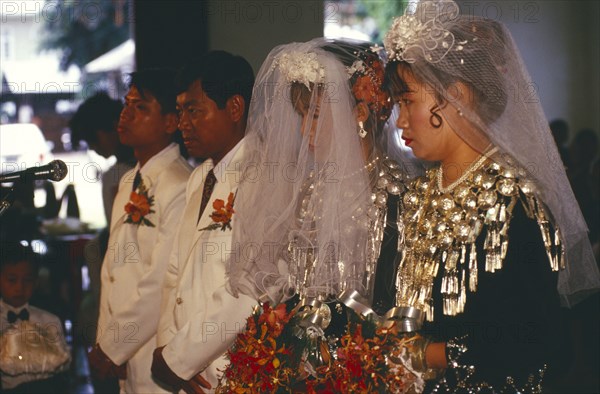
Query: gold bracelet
x=419 y=361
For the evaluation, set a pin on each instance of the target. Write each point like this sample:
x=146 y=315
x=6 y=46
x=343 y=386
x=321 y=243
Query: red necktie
x=209 y=185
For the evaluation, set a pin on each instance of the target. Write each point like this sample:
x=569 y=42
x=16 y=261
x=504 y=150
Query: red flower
x=274 y=318
x=262 y=362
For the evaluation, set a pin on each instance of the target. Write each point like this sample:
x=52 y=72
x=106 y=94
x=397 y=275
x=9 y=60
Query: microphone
x=56 y=170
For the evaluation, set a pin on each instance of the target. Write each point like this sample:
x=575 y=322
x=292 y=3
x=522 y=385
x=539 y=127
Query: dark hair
x=14 y=252
x=346 y=51
x=396 y=87
x=392 y=82
x=221 y=75
x=158 y=82
x=98 y=112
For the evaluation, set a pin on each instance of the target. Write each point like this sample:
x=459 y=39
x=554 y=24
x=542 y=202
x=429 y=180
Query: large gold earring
x=362 y=133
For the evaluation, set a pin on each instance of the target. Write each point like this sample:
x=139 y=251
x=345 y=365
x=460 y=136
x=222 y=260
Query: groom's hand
x=196 y=384
x=102 y=367
x=162 y=371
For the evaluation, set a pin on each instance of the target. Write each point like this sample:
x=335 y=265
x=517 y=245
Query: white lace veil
x=278 y=187
x=441 y=47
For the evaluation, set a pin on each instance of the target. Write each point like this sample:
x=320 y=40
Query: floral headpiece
x=367 y=73
x=301 y=67
x=422 y=32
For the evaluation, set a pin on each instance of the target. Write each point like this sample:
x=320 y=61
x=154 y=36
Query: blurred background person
x=95 y=123
x=560 y=132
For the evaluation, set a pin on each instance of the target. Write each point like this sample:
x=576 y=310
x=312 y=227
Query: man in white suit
x=146 y=213
x=199 y=317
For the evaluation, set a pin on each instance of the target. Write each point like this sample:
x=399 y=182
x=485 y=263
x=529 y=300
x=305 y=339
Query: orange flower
x=369 y=359
x=275 y=318
x=367 y=88
x=139 y=206
x=222 y=213
x=363 y=89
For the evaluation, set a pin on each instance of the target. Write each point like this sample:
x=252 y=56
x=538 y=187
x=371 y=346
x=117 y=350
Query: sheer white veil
x=278 y=187
x=441 y=48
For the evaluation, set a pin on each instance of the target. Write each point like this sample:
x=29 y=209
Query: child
x=32 y=343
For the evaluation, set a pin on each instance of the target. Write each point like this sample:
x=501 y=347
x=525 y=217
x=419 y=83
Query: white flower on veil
x=422 y=33
x=302 y=67
x=405 y=30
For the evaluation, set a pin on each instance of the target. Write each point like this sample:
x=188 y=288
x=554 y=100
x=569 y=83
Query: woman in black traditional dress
x=492 y=239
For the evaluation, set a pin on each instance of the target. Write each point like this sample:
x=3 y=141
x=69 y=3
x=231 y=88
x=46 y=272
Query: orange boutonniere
x=222 y=214
x=139 y=206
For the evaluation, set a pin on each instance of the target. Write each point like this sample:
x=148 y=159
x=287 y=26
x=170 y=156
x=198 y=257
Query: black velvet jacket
x=512 y=322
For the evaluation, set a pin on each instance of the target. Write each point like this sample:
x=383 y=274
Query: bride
x=319 y=203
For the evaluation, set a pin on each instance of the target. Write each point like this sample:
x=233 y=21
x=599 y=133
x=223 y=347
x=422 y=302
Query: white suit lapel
x=121 y=199
x=188 y=237
x=226 y=183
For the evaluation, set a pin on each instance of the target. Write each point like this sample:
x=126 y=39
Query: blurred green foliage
x=82 y=30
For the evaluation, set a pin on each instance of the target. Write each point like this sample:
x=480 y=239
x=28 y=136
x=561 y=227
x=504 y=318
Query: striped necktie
x=209 y=185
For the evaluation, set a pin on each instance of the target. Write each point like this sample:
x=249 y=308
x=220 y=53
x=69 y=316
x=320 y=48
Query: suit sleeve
x=169 y=290
x=207 y=336
x=138 y=321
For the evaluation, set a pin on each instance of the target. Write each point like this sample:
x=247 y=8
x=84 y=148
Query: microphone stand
x=7 y=201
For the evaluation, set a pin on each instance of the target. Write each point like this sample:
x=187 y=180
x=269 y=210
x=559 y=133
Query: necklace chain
x=472 y=168
x=369 y=166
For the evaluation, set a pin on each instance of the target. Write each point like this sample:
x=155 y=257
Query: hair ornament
x=301 y=67
x=357 y=66
x=366 y=76
x=421 y=32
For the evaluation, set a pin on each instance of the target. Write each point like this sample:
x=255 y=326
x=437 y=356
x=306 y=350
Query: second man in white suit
x=199 y=317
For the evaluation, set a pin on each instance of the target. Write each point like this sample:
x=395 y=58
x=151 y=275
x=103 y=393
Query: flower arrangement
x=369 y=360
x=261 y=358
x=139 y=206
x=268 y=357
x=222 y=214
x=368 y=75
x=302 y=67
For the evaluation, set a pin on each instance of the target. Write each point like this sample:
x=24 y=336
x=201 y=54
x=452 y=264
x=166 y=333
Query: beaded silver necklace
x=386 y=177
x=439 y=227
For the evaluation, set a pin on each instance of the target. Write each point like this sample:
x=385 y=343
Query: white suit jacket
x=200 y=319
x=134 y=268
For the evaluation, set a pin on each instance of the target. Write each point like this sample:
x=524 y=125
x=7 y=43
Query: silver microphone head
x=58 y=170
